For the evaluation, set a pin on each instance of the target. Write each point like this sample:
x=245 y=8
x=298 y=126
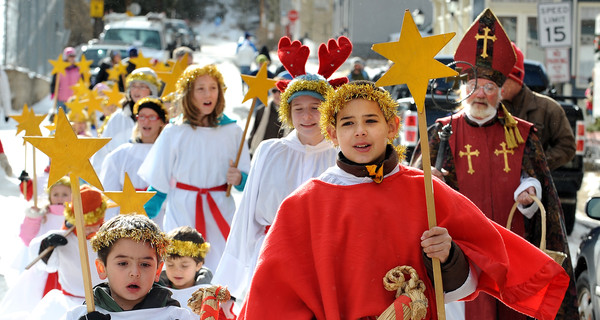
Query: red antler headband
x=293 y=55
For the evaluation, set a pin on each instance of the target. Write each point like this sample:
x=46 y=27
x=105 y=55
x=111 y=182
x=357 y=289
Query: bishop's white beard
x=478 y=112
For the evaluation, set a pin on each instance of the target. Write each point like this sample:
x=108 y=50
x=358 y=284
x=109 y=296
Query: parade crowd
x=333 y=219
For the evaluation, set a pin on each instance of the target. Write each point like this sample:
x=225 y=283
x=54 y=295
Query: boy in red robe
x=335 y=238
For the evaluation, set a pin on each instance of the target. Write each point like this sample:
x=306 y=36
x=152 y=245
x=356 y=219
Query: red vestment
x=330 y=246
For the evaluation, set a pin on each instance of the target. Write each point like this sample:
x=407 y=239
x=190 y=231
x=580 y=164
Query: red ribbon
x=214 y=209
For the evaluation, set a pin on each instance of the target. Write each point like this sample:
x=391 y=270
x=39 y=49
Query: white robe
x=127 y=158
x=119 y=128
x=278 y=168
x=165 y=313
x=183 y=295
x=198 y=157
x=65 y=260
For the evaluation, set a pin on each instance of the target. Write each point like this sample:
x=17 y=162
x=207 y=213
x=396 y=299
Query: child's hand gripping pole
x=47 y=250
x=243 y=140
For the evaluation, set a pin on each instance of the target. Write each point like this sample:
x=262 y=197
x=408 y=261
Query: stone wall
x=26 y=87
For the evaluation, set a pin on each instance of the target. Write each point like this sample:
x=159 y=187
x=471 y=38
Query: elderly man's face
x=485 y=99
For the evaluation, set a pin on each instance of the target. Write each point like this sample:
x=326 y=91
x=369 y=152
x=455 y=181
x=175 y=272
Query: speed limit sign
x=554 y=24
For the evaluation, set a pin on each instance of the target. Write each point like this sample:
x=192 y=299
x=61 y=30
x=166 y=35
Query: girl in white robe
x=140 y=83
x=192 y=162
x=151 y=116
x=301 y=155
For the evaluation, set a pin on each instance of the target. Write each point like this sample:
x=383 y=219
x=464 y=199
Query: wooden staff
x=83 y=254
x=56 y=92
x=431 y=217
x=25 y=169
x=47 y=250
x=243 y=140
x=34 y=178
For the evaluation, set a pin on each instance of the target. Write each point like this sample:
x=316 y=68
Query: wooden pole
x=83 y=253
x=34 y=178
x=431 y=217
x=243 y=140
x=25 y=169
x=56 y=93
x=46 y=251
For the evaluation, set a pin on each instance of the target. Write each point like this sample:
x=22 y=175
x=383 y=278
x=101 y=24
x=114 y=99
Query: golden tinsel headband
x=191 y=73
x=105 y=238
x=320 y=87
x=141 y=76
x=89 y=218
x=336 y=100
x=152 y=102
x=188 y=248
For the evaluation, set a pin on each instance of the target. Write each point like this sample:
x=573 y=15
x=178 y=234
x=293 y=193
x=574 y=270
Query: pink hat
x=69 y=51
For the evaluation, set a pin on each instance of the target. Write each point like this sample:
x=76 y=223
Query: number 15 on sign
x=554 y=24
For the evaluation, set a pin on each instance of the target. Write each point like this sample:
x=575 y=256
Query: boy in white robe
x=130 y=250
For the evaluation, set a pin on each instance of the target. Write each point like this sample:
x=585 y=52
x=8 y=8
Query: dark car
x=587 y=270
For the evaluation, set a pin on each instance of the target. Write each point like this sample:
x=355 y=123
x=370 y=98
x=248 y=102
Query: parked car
x=587 y=270
x=147 y=33
x=439 y=102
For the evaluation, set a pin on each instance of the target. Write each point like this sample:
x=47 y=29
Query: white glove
x=34 y=212
x=5 y=165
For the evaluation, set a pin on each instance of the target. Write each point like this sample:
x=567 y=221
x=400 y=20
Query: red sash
x=214 y=209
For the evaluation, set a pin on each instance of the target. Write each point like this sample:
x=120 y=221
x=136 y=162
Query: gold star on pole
x=69 y=154
x=94 y=102
x=76 y=108
x=51 y=127
x=129 y=200
x=84 y=65
x=81 y=89
x=114 y=96
x=115 y=72
x=59 y=65
x=258 y=87
x=170 y=78
x=140 y=61
x=414 y=60
x=29 y=121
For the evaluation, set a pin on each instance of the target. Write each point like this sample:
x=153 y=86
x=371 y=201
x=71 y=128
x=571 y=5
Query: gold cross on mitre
x=485 y=38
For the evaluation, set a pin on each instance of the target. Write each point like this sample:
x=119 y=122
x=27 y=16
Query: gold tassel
x=511 y=131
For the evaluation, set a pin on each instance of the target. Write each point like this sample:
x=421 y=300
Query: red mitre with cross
x=487 y=47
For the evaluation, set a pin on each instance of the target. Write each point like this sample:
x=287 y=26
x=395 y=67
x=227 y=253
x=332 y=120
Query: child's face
x=79 y=127
x=149 y=125
x=131 y=268
x=181 y=271
x=205 y=94
x=305 y=118
x=362 y=132
x=138 y=90
x=59 y=194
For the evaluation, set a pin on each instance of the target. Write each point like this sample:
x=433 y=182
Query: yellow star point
x=140 y=61
x=414 y=60
x=114 y=96
x=29 y=122
x=84 y=65
x=129 y=200
x=81 y=89
x=114 y=73
x=170 y=78
x=59 y=65
x=69 y=154
x=258 y=87
x=94 y=102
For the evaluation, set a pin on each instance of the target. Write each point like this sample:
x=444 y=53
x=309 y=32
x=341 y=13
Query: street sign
x=293 y=15
x=557 y=65
x=97 y=8
x=554 y=24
